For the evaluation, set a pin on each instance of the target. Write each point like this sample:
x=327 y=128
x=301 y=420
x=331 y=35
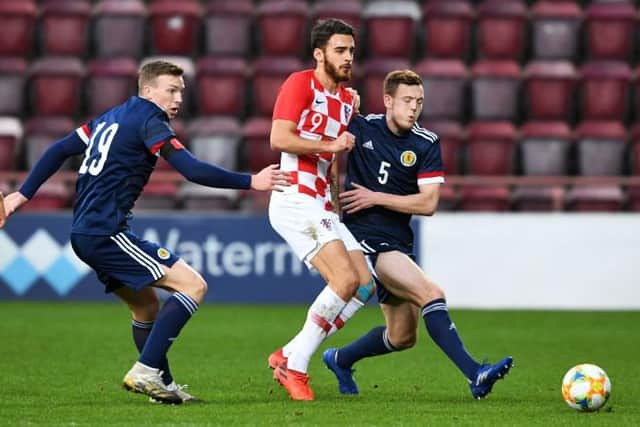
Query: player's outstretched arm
x=270 y=178
x=10 y=204
x=423 y=203
x=284 y=138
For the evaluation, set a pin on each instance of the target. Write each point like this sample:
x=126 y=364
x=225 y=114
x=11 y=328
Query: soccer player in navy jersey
x=121 y=148
x=394 y=171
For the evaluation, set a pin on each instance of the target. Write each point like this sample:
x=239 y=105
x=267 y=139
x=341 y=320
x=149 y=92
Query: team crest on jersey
x=163 y=253
x=408 y=158
x=347 y=111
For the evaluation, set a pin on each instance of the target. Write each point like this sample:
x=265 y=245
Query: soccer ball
x=586 y=387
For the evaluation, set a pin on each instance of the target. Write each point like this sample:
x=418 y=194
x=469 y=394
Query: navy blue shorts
x=373 y=246
x=123 y=259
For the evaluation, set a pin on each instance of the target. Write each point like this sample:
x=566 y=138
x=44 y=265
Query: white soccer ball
x=586 y=387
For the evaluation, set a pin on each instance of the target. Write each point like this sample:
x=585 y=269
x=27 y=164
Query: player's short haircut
x=399 y=77
x=154 y=69
x=323 y=30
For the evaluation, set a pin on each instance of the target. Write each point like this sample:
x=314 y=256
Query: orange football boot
x=296 y=383
x=276 y=359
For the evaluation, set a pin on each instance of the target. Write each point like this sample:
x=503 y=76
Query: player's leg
x=405 y=279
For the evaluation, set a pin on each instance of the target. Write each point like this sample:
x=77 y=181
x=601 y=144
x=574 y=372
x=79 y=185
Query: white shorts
x=306 y=225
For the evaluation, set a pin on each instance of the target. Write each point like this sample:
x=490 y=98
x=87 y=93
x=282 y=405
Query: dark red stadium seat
x=555 y=30
x=490 y=148
x=119 y=28
x=398 y=18
x=604 y=91
x=595 y=199
x=495 y=89
x=451 y=144
x=601 y=148
x=538 y=199
x=109 y=83
x=227 y=27
x=634 y=155
x=374 y=72
x=10 y=139
x=501 y=29
x=64 y=27
x=444 y=82
x=18 y=21
x=609 y=30
x=12 y=84
x=447 y=28
x=216 y=140
x=550 y=90
x=52 y=196
x=485 y=198
x=158 y=195
x=449 y=198
x=221 y=85
x=268 y=75
x=349 y=11
x=282 y=27
x=175 y=26
x=196 y=197
x=257 y=149
x=633 y=197
x=56 y=85
x=545 y=148
x=41 y=132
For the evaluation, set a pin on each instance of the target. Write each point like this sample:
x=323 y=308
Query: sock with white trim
x=373 y=343
x=140 y=331
x=175 y=313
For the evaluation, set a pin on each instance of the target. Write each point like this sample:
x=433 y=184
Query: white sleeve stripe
x=431 y=180
x=82 y=136
x=425 y=135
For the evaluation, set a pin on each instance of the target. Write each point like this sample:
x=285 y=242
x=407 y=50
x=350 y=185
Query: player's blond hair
x=398 y=77
x=151 y=70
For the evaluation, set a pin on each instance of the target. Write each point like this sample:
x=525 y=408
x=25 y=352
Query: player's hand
x=9 y=205
x=356 y=100
x=342 y=143
x=271 y=178
x=357 y=199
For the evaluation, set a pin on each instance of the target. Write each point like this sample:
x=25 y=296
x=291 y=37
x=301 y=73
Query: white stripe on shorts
x=137 y=254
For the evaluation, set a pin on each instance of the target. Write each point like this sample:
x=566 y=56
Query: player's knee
x=347 y=284
x=196 y=287
x=403 y=342
x=365 y=292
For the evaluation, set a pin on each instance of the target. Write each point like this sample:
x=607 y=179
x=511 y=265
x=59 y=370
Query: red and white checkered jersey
x=320 y=116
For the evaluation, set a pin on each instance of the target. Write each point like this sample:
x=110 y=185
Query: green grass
x=61 y=364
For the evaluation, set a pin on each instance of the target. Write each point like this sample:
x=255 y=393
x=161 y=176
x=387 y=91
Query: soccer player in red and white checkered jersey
x=310 y=118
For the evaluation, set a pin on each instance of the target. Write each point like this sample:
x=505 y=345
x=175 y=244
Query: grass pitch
x=61 y=364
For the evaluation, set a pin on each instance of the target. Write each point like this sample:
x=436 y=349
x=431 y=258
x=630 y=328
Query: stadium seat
x=447 y=29
x=10 y=141
x=545 y=148
x=268 y=75
x=109 y=83
x=349 y=11
x=449 y=199
x=119 y=28
x=196 y=197
x=216 y=140
x=282 y=27
x=495 y=89
x=189 y=68
x=538 y=198
x=257 y=148
x=550 y=90
x=158 y=195
x=501 y=29
x=451 y=144
x=18 y=22
x=52 y=196
x=601 y=148
x=175 y=26
x=604 y=91
x=12 y=85
x=221 y=85
x=41 y=132
x=556 y=28
x=490 y=148
x=633 y=197
x=585 y=198
x=56 y=86
x=398 y=18
x=227 y=27
x=374 y=72
x=485 y=198
x=634 y=154
x=255 y=202
x=609 y=30
x=445 y=83
x=64 y=27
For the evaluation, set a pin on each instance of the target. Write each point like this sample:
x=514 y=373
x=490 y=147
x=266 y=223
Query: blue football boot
x=487 y=375
x=346 y=384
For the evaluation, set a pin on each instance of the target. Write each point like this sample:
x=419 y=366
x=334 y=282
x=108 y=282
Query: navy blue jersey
x=121 y=152
x=383 y=161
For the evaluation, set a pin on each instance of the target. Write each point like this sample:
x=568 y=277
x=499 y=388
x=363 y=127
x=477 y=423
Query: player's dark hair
x=153 y=69
x=323 y=30
x=398 y=77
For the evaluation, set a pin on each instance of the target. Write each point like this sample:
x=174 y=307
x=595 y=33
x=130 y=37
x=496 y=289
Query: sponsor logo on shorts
x=326 y=223
x=163 y=253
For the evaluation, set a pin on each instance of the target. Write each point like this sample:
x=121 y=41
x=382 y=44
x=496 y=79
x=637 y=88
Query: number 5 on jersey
x=94 y=160
x=383 y=176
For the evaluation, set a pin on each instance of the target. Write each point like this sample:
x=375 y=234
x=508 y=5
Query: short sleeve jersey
x=386 y=162
x=122 y=149
x=320 y=116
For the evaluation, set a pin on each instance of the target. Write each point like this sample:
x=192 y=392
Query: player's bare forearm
x=423 y=203
x=9 y=204
x=284 y=138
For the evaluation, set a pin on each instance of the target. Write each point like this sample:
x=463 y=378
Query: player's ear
x=318 y=55
x=388 y=100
